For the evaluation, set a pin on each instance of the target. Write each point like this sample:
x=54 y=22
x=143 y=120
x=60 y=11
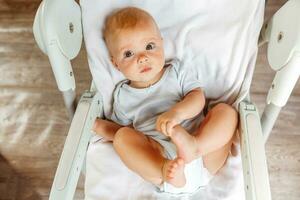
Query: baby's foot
x=173 y=172
x=187 y=147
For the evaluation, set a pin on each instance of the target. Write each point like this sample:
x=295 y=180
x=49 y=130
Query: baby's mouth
x=146 y=69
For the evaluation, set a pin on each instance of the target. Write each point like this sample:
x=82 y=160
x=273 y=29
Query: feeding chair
x=221 y=37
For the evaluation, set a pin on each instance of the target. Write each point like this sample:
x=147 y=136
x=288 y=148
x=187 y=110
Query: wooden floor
x=33 y=121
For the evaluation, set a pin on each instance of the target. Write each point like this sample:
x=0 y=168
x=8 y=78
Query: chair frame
x=254 y=130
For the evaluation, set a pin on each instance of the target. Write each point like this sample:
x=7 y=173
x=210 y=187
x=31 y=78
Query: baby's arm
x=191 y=105
x=106 y=129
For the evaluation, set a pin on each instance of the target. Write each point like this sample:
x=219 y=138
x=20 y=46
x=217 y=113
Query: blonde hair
x=124 y=19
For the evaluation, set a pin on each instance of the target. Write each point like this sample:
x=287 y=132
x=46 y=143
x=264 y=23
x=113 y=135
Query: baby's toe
x=171 y=170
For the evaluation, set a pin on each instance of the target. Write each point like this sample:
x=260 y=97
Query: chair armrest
x=72 y=158
x=256 y=178
x=57 y=30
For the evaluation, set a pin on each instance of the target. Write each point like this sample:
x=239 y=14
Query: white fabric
x=217 y=37
x=108 y=178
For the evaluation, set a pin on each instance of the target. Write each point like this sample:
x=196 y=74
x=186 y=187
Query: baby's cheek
x=130 y=73
x=160 y=56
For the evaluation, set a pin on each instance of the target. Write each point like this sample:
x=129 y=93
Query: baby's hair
x=126 y=18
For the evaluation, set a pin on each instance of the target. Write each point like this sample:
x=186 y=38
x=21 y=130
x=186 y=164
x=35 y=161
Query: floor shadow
x=12 y=184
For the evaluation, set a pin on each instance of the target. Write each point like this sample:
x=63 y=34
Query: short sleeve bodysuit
x=141 y=106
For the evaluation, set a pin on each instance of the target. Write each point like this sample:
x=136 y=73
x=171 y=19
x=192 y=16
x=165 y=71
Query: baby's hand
x=166 y=121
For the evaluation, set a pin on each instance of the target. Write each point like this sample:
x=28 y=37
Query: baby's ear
x=114 y=62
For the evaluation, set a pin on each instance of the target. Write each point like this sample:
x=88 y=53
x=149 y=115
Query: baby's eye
x=150 y=46
x=128 y=54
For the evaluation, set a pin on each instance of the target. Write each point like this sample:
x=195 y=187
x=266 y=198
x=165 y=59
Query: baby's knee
x=230 y=119
x=227 y=110
x=121 y=137
x=121 y=134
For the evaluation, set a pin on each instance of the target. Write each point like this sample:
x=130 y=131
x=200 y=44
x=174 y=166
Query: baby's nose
x=142 y=59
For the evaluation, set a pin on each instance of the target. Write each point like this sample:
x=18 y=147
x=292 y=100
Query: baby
x=157 y=110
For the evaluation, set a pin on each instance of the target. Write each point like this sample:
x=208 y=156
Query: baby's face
x=138 y=53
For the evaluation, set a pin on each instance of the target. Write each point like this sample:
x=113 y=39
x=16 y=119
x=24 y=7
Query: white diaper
x=197 y=177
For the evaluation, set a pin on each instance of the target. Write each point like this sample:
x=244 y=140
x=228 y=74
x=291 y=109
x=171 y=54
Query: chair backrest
x=218 y=38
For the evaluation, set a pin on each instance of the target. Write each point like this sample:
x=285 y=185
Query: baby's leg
x=215 y=136
x=212 y=140
x=144 y=156
x=217 y=129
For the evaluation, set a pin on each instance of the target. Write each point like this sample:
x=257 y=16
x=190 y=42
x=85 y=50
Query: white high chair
x=58 y=32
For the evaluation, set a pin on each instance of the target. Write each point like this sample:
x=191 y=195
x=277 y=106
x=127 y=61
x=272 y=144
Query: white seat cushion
x=217 y=37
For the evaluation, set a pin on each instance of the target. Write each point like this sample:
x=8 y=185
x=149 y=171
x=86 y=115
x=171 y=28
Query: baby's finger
x=170 y=126
x=158 y=125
